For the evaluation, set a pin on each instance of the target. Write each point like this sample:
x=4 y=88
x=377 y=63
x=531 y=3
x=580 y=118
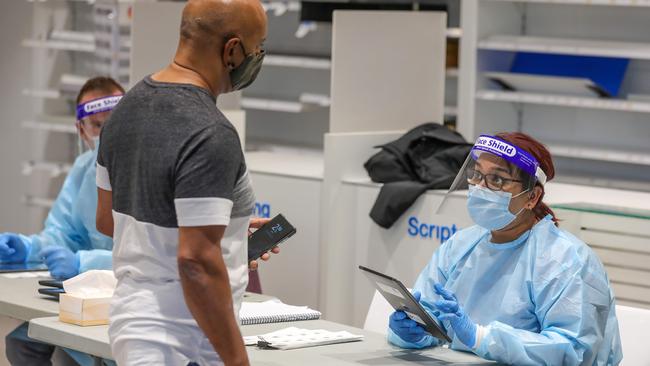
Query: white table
x=19 y=299
x=373 y=350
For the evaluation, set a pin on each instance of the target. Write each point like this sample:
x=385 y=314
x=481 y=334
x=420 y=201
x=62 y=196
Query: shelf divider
x=564 y=101
x=566 y=46
x=631 y=3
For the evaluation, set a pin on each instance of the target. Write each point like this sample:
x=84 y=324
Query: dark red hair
x=102 y=84
x=543 y=156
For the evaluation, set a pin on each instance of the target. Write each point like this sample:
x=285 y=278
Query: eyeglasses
x=494 y=182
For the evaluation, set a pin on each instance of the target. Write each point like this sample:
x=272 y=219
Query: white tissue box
x=83 y=311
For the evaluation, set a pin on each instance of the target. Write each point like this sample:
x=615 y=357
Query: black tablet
x=400 y=298
x=22 y=267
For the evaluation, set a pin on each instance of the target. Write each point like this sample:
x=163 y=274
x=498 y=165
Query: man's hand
x=256 y=223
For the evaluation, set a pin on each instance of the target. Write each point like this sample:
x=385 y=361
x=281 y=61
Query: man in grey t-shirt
x=174 y=193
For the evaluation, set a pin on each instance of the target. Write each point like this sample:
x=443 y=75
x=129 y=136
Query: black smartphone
x=51 y=291
x=269 y=235
x=51 y=283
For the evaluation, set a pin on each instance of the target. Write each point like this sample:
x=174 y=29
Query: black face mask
x=244 y=74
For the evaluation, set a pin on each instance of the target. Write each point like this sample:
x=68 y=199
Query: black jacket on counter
x=427 y=157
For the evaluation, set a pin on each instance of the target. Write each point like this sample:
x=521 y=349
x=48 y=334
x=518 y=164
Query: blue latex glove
x=61 y=262
x=13 y=249
x=450 y=310
x=406 y=328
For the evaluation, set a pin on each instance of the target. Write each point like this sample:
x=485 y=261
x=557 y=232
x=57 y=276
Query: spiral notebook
x=274 y=311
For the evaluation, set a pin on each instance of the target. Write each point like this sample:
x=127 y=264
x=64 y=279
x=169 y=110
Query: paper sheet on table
x=292 y=338
x=91 y=284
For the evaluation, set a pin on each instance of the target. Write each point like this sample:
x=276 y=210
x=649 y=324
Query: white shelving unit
x=302 y=66
x=603 y=154
x=49 y=124
x=298 y=61
x=54 y=169
x=43 y=93
x=68 y=86
x=595 y=142
x=60 y=45
x=71 y=41
x=604 y=140
x=306 y=102
x=279 y=8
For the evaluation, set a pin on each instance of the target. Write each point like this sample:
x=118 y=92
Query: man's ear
x=229 y=51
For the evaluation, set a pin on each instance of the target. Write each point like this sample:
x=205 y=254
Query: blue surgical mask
x=489 y=209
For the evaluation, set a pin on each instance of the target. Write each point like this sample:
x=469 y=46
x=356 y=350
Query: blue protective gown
x=544 y=298
x=71 y=221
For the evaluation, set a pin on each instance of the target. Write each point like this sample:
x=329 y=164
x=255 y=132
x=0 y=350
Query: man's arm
x=206 y=288
x=104 y=220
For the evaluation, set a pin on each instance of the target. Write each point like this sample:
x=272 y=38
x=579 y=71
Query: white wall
x=15 y=19
x=15 y=23
x=387 y=70
x=292 y=275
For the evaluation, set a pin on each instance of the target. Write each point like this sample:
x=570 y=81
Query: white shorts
x=151 y=325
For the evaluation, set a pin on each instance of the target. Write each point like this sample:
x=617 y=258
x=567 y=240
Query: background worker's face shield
x=91 y=116
x=496 y=165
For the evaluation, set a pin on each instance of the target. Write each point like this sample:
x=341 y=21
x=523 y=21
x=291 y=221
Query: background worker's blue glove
x=406 y=328
x=450 y=310
x=13 y=248
x=61 y=262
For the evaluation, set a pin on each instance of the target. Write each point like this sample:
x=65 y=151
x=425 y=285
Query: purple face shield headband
x=95 y=106
x=511 y=154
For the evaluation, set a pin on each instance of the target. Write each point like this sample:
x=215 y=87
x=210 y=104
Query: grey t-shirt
x=171 y=159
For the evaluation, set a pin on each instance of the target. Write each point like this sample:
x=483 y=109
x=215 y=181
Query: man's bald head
x=212 y=22
x=217 y=38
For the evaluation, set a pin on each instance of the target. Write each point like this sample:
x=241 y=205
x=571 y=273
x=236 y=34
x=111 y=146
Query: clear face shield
x=91 y=116
x=493 y=165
